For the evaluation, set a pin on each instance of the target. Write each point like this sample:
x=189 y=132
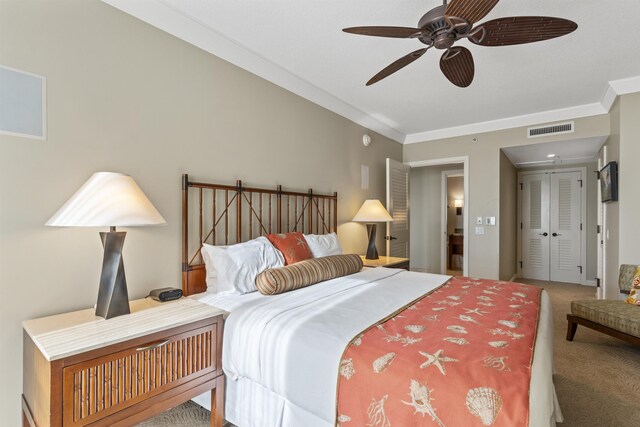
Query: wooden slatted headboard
x=220 y=214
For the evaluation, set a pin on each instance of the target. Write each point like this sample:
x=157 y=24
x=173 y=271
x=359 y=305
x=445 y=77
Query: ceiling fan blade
x=520 y=29
x=397 y=65
x=396 y=32
x=457 y=66
x=471 y=10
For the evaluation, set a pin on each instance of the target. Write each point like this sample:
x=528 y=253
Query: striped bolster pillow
x=308 y=272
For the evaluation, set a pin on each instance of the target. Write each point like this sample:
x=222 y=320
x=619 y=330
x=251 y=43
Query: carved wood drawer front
x=96 y=388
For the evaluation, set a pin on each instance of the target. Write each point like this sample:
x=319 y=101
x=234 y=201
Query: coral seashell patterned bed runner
x=459 y=356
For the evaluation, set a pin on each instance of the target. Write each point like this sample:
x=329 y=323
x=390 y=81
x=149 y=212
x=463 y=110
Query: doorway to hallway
x=430 y=210
x=452 y=224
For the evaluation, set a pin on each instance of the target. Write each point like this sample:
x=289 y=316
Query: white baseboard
x=589 y=283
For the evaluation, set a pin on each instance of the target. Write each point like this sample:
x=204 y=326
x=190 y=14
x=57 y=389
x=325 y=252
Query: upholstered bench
x=615 y=318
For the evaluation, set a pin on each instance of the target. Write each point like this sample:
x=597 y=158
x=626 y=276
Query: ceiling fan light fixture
x=444 y=40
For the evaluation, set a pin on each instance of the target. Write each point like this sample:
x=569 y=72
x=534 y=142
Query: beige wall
x=612 y=212
x=623 y=226
x=508 y=219
x=592 y=221
x=484 y=179
x=629 y=179
x=124 y=96
x=622 y=230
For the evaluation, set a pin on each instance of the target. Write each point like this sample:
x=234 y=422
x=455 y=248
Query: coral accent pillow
x=634 y=295
x=292 y=245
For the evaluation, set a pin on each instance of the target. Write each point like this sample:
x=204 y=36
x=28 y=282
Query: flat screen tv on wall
x=609 y=182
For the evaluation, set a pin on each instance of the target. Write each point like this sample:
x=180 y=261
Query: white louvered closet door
x=398 y=207
x=535 y=226
x=565 y=233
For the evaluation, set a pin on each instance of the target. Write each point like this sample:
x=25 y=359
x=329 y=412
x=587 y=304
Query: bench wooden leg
x=574 y=321
x=571 y=328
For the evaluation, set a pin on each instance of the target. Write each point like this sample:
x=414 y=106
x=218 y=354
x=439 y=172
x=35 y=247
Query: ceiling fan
x=444 y=25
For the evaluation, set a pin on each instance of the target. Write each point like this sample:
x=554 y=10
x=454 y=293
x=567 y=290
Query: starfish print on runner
x=436 y=359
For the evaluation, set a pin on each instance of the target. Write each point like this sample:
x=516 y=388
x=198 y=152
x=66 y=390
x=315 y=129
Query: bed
x=282 y=353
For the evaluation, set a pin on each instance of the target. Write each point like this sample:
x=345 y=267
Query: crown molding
x=508 y=123
x=614 y=89
x=609 y=97
x=162 y=16
x=626 y=86
x=189 y=29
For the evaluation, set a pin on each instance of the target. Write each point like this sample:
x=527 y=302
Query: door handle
x=556 y=234
x=153 y=346
x=545 y=234
x=390 y=238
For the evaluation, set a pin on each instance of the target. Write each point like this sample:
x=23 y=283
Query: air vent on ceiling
x=556 y=129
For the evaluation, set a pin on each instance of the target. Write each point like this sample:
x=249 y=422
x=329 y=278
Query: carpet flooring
x=597 y=377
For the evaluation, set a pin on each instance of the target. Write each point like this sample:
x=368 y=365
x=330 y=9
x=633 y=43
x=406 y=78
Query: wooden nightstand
x=81 y=370
x=386 y=261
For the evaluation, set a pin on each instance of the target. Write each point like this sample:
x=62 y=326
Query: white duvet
x=281 y=353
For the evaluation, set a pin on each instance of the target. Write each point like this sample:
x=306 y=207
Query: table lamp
x=371 y=212
x=112 y=200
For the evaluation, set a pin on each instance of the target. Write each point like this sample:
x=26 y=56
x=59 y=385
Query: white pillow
x=323 y=244
x=212 y=276
x=234 y=268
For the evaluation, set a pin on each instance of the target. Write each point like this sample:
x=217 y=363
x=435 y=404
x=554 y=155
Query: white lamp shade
x=107 y=199
x=457 y=203
x=372 y=211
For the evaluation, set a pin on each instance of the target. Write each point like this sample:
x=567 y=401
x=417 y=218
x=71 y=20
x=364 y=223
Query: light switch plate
x=479 y=230
x=490 y=220
x=479 y=220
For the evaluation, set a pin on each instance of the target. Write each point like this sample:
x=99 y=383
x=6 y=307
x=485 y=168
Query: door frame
x=444 y=232
x=391 y=208
x=602 y=222
x=467 y=200
x=583 y=218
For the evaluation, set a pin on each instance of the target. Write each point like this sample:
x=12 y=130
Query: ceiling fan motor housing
x=440 y=32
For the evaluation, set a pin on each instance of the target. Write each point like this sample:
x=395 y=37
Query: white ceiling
x=583 y=150
x=299 y=45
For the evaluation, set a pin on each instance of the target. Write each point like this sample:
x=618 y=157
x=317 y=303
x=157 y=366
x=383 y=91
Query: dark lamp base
x=113 y=298
x=372 y=252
